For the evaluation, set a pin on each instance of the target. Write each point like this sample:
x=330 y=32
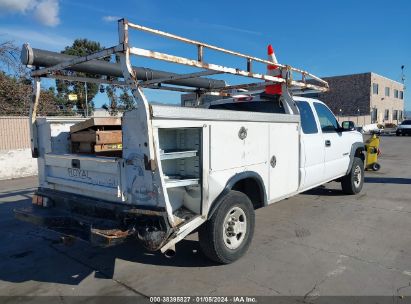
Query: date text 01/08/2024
x=203 y=299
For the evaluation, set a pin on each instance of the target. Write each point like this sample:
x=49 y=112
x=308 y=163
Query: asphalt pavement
x=321 y=242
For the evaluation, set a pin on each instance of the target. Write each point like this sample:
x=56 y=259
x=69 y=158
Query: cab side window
x=327 y=119
x=308 y=123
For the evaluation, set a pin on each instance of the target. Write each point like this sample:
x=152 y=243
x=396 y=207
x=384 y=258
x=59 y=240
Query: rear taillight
x=37 y=200
x=41 y=201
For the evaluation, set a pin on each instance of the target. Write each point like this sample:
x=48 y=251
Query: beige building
x=387 y=99
x=365 y=98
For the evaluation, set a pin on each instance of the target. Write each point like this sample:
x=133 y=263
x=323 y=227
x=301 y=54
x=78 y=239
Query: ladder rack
x=126 y=74
x=322 y=85
x=306 y=81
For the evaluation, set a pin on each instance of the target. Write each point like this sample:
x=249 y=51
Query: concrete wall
x=15 y=152
x=17 y=163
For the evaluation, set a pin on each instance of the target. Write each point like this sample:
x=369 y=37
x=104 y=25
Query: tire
x=215 y=242
x=398 y=134
x=376 y=166
x=353 y=182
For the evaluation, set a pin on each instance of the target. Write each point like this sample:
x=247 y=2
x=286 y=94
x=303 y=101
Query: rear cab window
x=253 y=106
x=308 y=123
x=262 y=103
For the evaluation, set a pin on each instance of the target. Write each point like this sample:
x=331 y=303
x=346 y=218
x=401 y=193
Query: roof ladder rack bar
x=179 y=77
x=201 y=45
x=85 y=79
x=173 y=89
x=219 y=68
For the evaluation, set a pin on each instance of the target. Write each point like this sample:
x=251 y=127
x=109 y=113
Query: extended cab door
x=312 y=148
x=337 y=149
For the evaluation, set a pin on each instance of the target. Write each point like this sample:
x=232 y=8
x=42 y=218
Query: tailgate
x=99 y=177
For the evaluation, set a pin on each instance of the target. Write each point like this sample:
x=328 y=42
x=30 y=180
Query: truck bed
x=59 y=169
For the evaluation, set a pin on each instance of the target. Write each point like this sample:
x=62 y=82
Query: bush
x=15 y=98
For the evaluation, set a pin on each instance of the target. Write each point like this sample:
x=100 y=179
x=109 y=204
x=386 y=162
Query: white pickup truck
x=185 y=169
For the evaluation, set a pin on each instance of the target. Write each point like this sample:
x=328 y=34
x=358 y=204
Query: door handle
x=328 y=143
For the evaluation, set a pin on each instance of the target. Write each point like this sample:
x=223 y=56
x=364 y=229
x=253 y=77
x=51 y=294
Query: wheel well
x=360 y=153
x=252 y=188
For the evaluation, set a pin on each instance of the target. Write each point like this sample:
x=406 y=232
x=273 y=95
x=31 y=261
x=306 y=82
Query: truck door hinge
x=150 y=164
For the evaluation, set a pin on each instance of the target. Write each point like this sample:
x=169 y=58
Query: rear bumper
x=95 y=231
x=99 y=222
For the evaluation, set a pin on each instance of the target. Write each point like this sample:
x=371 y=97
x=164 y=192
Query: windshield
x=406 y=122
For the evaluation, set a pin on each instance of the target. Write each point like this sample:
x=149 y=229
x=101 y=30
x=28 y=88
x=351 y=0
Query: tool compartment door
x=237 y=144
x=283 y=159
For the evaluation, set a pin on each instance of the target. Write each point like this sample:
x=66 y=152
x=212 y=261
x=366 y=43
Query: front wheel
x=352 y=183
x=226 y=236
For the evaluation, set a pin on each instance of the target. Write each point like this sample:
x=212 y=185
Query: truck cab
x=326 y=148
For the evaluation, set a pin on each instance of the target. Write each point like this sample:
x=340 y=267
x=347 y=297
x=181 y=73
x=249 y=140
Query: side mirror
x=348 y=125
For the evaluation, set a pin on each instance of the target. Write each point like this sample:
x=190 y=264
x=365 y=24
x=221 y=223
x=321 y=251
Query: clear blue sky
x=324 y=37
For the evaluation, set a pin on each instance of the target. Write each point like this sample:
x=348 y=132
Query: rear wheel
x=226 y=236
x=352 y=183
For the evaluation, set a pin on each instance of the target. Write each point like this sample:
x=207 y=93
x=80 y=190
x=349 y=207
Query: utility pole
x=403 y=92
x=403 y=76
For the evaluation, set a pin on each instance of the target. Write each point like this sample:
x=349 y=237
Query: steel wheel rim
x=235 y=228
x=357 y=176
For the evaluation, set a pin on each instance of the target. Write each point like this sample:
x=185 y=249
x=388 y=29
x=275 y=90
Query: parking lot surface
x=321 y=242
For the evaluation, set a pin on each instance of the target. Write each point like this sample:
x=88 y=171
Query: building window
x=401 y=95
x=387 y=91
x=374 y=115
x=375 y=88
x=386 y=114
x=400 y=115
x=395 y=115
x=395 y=93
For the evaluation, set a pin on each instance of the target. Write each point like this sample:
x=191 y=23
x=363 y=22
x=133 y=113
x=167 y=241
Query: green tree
x=120 y=100
x=111 y=92
x=80 y=47
x=15 y=98
x=16 y=87
x=127 y=101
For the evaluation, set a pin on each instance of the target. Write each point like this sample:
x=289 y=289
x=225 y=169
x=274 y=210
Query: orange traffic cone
x=273 y=70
